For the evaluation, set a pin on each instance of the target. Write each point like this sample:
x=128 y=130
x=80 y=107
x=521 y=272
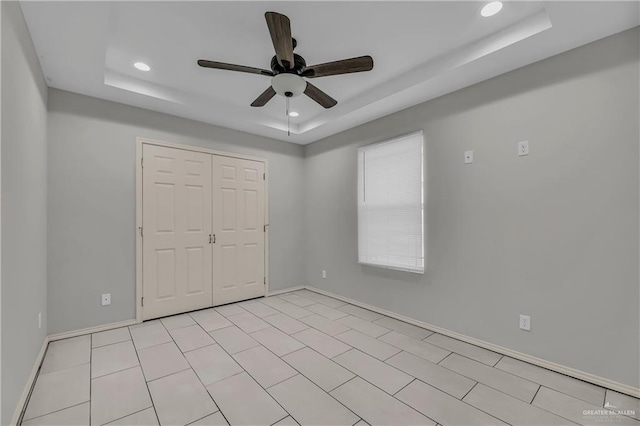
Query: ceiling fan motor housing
x=298 y=67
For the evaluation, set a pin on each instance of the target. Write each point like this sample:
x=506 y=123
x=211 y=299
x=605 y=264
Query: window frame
x=361 y=172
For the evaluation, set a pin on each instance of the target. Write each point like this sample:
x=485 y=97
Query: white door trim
x=140 y=141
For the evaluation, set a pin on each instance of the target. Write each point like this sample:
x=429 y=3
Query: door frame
x=140 y=141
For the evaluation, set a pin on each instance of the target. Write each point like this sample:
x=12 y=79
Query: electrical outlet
x=39 y=319
x=525 y=322
x=106 y=299
x=523 y=148
x=324 y=274
x=468 y=157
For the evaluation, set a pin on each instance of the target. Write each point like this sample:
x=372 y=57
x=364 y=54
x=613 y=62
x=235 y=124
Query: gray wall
x=91 y=220
x=553 y=235
x=24 y=205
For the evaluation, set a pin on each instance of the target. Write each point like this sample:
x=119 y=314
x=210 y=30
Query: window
x=391 y=204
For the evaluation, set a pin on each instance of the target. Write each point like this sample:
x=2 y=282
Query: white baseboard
x=286 y=290
x=30 y=381
x=90 y=330
x=558 y=368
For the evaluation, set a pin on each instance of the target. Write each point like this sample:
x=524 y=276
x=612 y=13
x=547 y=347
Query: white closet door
x=238 y=226
x=177 y=254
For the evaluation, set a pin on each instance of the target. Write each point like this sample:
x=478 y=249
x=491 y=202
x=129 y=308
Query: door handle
x=212 y=238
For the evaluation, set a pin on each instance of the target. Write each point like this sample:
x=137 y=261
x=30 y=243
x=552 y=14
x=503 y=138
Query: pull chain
x=288 y=118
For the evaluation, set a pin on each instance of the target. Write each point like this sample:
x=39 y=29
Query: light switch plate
x=468 y=157
x=523 y=148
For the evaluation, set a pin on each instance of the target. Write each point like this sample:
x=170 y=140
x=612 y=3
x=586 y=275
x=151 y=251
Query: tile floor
x=301 y=358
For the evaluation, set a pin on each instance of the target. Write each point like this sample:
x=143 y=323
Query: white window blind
x=391 y=204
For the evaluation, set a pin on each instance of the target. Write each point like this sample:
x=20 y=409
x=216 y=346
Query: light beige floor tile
x=210 y=319
x=232 y=395
x=46 y=396
x=359 y=312
x=374 y=371
x=442 y=407
x=623 y=402
x=297 y=300
x=325 y=325
x=292 y=310
x=363 y=326
x=404 y=327
x=286 y=323
x=191 y=337
x=377 y=407
x=145 y=324
x=574 y=387
x=162 y=360
x=111 y=358
x=177 y=321
x=470 y=351
x=266 y=368
x=439 y=377
x=309 y=404
x=118 y=395
x=287 y=421
x=305 y=293
x=232 y=309
x=141 y=418
x=577 y=410
x=259 y=309
x=326 y=311
x=497 y=379
x=248 y=322
x=212 y=363
x=318 y=368
x=78 y=415
x=362 y=423
x=180 y=399
x=416 y=347
x=149 y=335
x=326 y=300
x=234 y=340
x=509 y=409
x=368 y=345
x=216 y=419
x=110 y=336
x=326 y=345
x=67 y=353
x=272 y=301
x=276 y=341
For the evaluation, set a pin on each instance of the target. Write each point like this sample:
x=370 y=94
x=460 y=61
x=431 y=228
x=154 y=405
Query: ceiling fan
x=288 y=69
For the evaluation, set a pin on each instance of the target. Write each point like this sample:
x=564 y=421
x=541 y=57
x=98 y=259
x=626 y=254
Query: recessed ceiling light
x=491 y=9
x=142 y=66
x=293 y=114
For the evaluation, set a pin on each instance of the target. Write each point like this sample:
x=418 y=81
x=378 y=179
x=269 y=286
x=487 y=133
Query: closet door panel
x=238 y=218
x=177 y=211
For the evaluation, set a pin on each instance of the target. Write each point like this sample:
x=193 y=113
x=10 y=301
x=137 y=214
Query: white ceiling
x=421 y=50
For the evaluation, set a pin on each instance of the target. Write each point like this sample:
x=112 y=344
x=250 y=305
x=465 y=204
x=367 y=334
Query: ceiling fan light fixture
x=288 y=85
x=491 y=9
x=142 y=66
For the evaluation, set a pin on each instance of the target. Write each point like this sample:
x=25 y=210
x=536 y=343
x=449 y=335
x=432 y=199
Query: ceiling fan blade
x=264 y=97
x=345 y=66
x=280 y=30
x=232 y=67
x=319 y=96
